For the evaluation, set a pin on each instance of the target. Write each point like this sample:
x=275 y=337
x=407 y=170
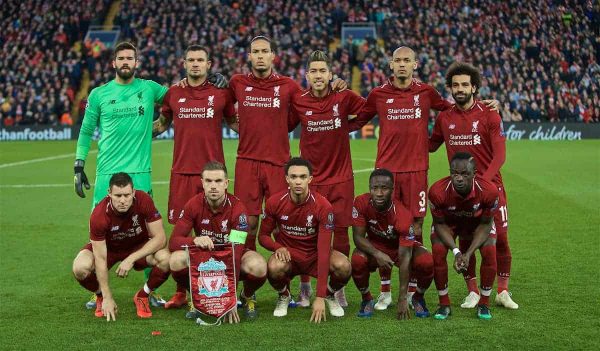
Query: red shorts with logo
x=464 y=235
x=256 y=181
x=301 y=264
x=182 y=188
x=390 y=251
x=501 y=216
x=411 y=189
x=113 y=257
x=341 y=197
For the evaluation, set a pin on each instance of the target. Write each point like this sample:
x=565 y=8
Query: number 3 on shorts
x=423 y=201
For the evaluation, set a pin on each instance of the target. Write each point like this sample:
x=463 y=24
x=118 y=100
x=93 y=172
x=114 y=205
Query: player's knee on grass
x=253 y=263
x=276 y=268
x=160 y=259
x=83 y=264
x=178 y=260
x=339 y=264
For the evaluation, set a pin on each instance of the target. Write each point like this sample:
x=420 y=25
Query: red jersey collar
x=271 y=76
x=308 y=196
x=221 y=207
x=329 y=92
x=413 y=82
x=476 y=104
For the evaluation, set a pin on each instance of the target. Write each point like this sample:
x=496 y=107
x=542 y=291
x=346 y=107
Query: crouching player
x=213 y=215
x=384 y=237
x=305 y=222
x=125 y=226
x=463 y=205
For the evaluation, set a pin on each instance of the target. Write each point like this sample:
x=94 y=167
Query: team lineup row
x=268 y=106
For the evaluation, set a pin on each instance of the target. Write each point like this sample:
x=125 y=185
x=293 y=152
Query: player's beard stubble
x=125 y=72
x=462 y=98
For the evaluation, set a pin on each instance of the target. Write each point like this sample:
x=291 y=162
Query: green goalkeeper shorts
x=141 y=181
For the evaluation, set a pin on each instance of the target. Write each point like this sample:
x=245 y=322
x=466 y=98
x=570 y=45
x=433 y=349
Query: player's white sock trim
x=147 y=289
x=414 y=285
x=443 y=292
x=386 y=282
x=486 y=292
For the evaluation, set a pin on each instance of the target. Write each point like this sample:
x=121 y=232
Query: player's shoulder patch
x=330 y=221
x=243 y=222
x=354 y=212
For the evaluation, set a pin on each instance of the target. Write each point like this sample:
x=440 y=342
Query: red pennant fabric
x=213 y=280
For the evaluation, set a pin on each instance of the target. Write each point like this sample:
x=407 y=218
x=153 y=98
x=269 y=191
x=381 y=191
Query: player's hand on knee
x=204 y=242
x=383 y=260
x=109 y=308
x=403 y=311
x=459 y=263
x=80 y=179
x=318 y=311
x=283 y=254
x=232 y=317
x=124 y=267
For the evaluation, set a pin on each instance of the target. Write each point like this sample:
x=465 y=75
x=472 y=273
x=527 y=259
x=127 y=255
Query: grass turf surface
x=552 y=192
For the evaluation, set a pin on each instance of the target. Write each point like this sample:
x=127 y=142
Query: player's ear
x=114 y=64
x=208 y=64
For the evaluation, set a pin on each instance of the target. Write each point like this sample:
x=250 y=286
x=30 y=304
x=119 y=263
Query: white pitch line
x=64 y=185
x=50 y=158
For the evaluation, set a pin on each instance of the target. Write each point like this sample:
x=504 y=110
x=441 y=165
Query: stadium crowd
x=40 y=68
x=539 y=58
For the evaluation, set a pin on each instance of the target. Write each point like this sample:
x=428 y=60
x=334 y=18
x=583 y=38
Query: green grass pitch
x=553 y=193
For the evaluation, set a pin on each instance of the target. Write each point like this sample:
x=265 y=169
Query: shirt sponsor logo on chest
x=263 y=101
x=405 y=113
x=197 y=112
x=327 y=124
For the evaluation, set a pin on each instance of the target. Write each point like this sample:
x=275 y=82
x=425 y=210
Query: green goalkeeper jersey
x=123 y=114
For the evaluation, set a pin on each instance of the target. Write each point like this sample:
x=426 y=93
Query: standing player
x=384 y=237
x=463 y=205
x=263 y=98
x=197 y=111
x=215 y=216
x=125 y=226
x=403 y=105
x=472 y=127
x=123 y=110
x=305 y=222
x=323 y=114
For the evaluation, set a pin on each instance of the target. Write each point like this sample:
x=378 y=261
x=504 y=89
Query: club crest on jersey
x=475 y=125
x=224 y=225
x=336 y=111
x=354 y=212
x=213 y=280
x=211 y=100
x=390 y=231
x=309 y=219
x=411 y=232
x=389 y=101
x=416 y=100
x=276 y=90
x=140 y=97
x=135 y=221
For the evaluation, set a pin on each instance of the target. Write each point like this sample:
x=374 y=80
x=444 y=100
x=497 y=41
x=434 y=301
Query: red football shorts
x=341 y=197
x=182 y=188
x=411 y=189
x=256 y=181
x=113 y=257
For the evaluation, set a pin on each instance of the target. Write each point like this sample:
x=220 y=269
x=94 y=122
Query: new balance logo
x=114 y=229
x=308 y=113
x=284 y=218
x=248 y=89
x=205 y=221
x=389 y=101
x=373 y=221
x=181 y=100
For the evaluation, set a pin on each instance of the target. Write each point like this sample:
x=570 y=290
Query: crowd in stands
x=40 y=68
x=538 y=58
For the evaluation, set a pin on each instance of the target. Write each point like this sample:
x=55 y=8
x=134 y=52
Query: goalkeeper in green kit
x=123 y=110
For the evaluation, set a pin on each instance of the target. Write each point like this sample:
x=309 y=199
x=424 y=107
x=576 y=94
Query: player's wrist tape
x=455 y=251
x=237 y=236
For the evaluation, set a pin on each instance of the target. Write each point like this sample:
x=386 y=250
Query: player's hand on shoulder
x=109 y=308
x=403 y=310
x=182 y=83
x=218 y=80
x=384 y=260
x=318 y=311
x=493 y=105
x=283 y=254
x=339 y=85
x=204 y=242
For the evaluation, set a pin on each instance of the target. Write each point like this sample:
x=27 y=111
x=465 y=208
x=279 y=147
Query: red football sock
x=341 y=242
x=251 y=241
x=472 y=285
x=440 y=273
x=280 y=284
x=386 y=276
x=157 y=278
x=422 y=271
x=182 y=278
x=305 y=278
x=90 y=282
x=252 y=283
x=503 y=259
x=360 y=273
x=488 y=267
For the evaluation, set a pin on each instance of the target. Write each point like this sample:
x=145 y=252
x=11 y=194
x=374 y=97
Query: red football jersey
x=324 y=140
x=403 y=117
x=123 y=231
x=263 y=109
x=305 y=227
x=197 y=114
x=463 y=214
x=216 y=225
x=477 y=131
x=385 y=230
